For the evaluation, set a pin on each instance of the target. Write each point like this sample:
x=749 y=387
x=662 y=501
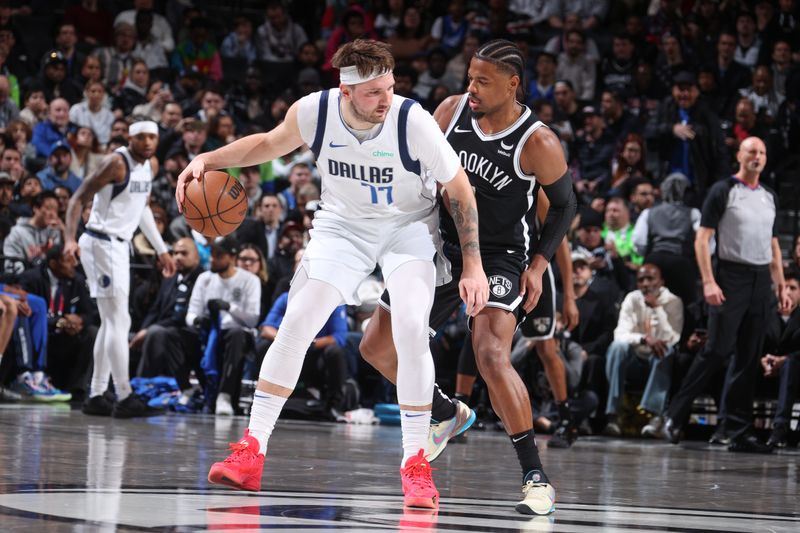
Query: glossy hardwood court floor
x=63 y=471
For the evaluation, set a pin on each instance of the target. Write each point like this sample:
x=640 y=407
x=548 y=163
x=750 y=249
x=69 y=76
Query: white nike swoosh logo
x=505 y=146
x=519 y=439
x=459 y=130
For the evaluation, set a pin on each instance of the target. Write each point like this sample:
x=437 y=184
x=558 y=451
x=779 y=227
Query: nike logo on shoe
x=336 y=145
x=414 y=416
x=460 y=130
x=438 y=439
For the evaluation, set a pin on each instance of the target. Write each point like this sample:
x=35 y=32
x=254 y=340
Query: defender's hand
x=530 y=287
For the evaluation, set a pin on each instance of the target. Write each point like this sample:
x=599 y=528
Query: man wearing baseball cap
x=227 y=300
x=57 y=171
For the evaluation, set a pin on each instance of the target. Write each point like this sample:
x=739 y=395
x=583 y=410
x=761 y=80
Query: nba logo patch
x=105 y=280
x=500 y=286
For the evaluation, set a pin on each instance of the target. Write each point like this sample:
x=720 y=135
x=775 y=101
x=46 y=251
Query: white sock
x=415 y=426
x=117 y=323
x=264 y=413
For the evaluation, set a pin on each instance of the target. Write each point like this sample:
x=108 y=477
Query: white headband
x=350 y=75
x=143 y=126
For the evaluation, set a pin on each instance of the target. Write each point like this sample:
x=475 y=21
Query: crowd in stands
x=650 y=100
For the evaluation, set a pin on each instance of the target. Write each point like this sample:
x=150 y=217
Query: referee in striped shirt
x=741 y=212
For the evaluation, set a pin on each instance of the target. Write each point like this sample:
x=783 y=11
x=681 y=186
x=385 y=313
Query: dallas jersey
x=504 y=193
x=394 y=173
x=117 y=208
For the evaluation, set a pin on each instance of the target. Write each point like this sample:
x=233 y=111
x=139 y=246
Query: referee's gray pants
x=736 y=327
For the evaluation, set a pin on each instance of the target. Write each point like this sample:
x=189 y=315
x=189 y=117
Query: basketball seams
x=186 y=198
x=208 y=208
x=219 y=187
x=223 y=191
x=218 y=213
x=235 y=223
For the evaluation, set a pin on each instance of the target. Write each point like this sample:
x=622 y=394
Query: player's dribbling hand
x=474 y=291
x=530 y=287
x=193 y=170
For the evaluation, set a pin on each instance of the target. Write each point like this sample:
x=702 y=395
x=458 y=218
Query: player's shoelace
x=419 y=475
x=241 y=451
x=531 y=485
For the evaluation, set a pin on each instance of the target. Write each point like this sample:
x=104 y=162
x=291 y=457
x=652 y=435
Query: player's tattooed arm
x=465 y=217
x=461 y=202
x=473 y=286
x=111 y=170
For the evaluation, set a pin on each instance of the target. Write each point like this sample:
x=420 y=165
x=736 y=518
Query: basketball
x=215 y=205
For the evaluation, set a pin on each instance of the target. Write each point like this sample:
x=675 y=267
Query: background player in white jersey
x=375 y=153
x=508 y=155
x=121 y=191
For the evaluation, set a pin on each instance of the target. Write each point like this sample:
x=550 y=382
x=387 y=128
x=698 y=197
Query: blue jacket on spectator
x=50 y=180
x=336 y=326
x=45 y=134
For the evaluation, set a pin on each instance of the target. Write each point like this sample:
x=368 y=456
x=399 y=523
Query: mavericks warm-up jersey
x=392 y=174
x=504 y=193
x=117 y=208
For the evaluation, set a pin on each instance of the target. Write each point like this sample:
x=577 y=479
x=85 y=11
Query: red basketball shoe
x=242 y=469
x=418 y=487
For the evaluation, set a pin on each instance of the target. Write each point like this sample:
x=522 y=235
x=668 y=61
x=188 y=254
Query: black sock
x=443 y=407
x=527 y=453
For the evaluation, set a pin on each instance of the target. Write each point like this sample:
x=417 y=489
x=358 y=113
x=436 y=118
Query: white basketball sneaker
x=442 y=432
x=224 y=407
x=538 y=495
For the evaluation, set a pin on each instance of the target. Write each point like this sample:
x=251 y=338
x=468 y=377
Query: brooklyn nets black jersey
x=504 y=193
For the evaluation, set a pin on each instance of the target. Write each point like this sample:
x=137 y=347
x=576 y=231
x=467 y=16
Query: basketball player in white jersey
x=121 y=191
x=378 y=155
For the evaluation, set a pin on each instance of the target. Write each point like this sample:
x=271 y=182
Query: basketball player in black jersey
x=538 y=326
x=508 y=156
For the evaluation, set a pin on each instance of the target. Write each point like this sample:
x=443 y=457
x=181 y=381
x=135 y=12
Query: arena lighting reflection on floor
x=216 y=510
x=64 y=471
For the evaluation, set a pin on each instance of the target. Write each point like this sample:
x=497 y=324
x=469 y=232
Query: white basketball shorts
x=106 y=263
x=344 y=252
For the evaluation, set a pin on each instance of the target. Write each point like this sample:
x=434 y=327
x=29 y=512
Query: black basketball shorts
x=503 y=271
x=540 y=324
